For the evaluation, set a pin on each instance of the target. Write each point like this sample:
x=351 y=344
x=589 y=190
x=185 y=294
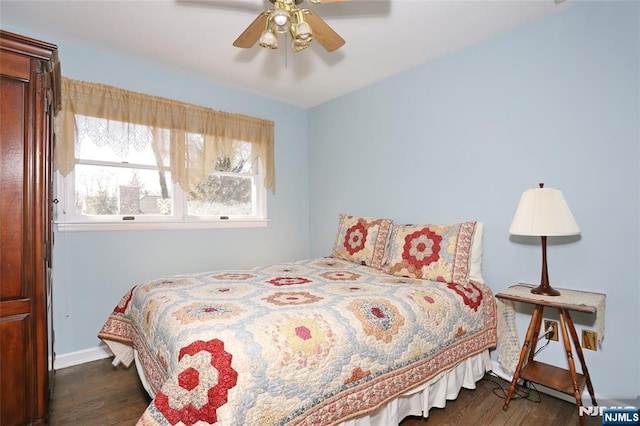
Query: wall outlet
x=590 y=340
x=554 y=325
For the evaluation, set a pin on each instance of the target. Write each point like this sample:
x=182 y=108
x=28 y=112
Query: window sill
x=145 y=226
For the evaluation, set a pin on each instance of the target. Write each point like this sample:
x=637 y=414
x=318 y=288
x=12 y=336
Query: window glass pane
x=106 y=140
x=222 y=195
x=102 y=190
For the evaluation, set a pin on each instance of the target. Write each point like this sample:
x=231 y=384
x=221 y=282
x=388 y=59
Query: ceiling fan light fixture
x=281 y=20
x=297 y=45
x=281 y=16
x=301 y=30
x=268 y=40
x=303 y=25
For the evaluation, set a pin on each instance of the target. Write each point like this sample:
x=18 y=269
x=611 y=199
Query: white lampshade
x=543 y=212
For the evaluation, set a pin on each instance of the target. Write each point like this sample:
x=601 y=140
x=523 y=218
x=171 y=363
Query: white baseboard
x=80 y=357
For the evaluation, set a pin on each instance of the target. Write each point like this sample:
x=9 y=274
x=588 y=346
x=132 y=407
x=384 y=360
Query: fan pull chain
x=286 y=51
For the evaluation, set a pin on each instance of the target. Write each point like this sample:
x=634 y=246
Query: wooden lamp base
x=544 y=288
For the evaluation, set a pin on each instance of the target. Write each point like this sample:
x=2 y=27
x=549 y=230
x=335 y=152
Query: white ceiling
x=383 y=37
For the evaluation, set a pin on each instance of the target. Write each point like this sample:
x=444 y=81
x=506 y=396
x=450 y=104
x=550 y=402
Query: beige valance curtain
x=170 y=122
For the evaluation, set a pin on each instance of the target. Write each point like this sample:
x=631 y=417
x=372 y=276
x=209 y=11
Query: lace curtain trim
x=190 y=163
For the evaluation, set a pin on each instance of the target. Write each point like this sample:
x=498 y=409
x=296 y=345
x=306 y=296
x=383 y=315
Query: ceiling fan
x=287 y=18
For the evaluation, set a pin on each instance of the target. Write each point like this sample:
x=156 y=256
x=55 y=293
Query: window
x=146 y=173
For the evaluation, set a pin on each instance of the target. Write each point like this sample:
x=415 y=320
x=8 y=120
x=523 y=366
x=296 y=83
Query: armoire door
x=25 y=148
x=16 y=286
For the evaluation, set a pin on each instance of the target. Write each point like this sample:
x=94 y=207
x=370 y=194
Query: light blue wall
x=92 y=270
x=556 y=101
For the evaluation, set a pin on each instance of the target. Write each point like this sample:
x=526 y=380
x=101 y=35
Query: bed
x=396 y=320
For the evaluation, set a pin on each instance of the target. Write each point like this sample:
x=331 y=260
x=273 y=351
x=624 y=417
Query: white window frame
x=67 y=221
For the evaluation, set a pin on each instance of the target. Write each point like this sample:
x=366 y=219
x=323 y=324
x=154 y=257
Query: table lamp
x=543 y=212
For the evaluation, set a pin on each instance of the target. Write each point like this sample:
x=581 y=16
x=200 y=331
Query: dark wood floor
x=98 y=394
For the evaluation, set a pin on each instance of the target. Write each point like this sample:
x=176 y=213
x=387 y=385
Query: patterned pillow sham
x=362 y=240
x=431 y=252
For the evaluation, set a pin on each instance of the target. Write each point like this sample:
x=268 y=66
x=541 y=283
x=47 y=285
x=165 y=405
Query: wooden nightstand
x=569 y=382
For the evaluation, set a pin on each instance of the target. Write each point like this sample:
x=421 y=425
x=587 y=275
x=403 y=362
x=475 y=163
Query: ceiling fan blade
x=322 y=32
x=253 y=32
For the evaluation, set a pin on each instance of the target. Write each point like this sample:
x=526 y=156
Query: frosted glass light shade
x=543 y=212
x=298 y=46
x=268 y=40
x=303 y=31
x=281 y=20
x=280 y=17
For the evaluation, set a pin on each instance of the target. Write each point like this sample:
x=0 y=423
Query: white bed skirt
x=417 y=402
x=434 y=393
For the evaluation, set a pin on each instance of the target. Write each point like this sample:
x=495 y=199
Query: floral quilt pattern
x=313 y=342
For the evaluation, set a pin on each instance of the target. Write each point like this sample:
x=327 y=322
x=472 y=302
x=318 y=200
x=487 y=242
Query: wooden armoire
x=29 y=97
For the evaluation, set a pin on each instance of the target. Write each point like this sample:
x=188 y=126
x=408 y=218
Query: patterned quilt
x=313 y=342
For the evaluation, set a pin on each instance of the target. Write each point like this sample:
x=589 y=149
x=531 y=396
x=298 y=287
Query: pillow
x=431 y=252
x=362 y=240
